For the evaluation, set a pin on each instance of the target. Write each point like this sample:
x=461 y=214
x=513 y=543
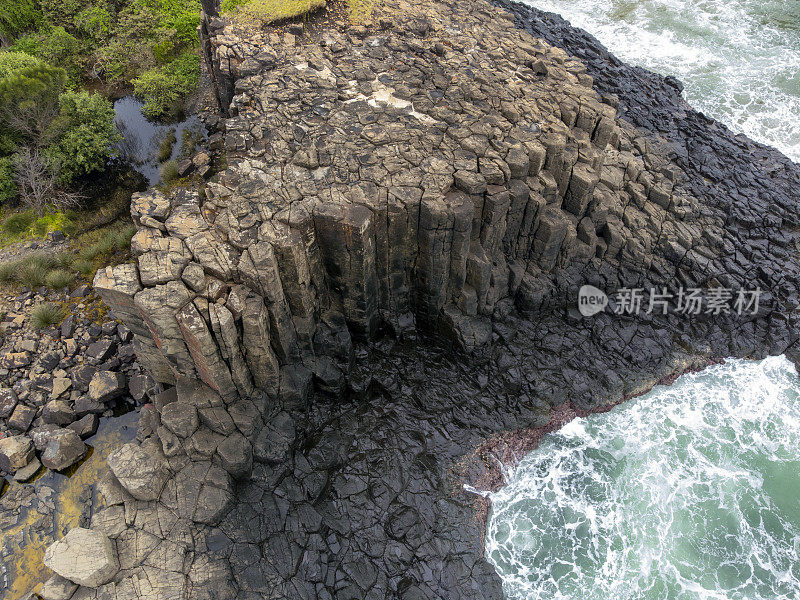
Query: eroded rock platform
x=385 y=276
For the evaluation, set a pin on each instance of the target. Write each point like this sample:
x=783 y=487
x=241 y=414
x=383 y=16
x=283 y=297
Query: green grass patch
x=84 y=267
x=264 y=12
x=169 y=173
x=25 y=225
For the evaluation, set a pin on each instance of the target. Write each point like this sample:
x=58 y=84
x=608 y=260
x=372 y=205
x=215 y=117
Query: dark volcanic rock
x=384 y=282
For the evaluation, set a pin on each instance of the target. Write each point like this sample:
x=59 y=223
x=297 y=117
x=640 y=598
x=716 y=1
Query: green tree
x=17 y=16
x=83 y=135
x=11 y=62
x=56 y=46
x=164 y=88
x=29 y=101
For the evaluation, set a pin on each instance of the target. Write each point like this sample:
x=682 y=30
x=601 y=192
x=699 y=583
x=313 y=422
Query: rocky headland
x=350 y=319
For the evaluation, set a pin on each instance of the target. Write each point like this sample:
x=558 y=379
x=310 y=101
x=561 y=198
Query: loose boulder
x=83 y=556
x=141 y=473
x=107 y=385
x=64 y=449
x=15 y=452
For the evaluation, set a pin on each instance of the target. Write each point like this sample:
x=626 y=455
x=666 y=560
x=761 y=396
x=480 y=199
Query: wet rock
x=296 y=382
x=83 y=556
x=102 y=350
x=218 y=420
x=86 y=426
x=236 y=455
x=274 y=441
x=204 y=492
x=27 y=472
x=141 y=386
x=15 y=453
x=142 y=473
x=64 y=448
x=61 y=385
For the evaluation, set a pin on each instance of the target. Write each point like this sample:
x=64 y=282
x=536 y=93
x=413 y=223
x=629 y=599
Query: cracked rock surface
x=385 y=277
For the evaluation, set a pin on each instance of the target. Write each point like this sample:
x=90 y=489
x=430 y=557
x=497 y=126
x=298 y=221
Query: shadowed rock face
x=386 y=276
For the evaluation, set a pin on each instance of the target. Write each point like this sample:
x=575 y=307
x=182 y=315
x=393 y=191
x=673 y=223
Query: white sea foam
x=739 y=59
x=689 y=492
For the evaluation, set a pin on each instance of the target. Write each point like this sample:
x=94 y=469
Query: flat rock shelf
x=383 y=283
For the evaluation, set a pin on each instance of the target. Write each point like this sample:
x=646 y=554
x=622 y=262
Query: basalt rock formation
x=386 y=275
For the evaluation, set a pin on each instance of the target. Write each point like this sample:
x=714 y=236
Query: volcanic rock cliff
x=386 y=275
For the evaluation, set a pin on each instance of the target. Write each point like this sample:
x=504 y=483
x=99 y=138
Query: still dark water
x=142 y=137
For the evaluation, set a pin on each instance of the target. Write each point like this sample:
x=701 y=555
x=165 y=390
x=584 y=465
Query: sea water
x=689 y=492
x=738 y=59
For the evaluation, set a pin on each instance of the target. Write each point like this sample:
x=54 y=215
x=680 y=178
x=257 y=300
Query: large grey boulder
x=64 y=448
x=142 y=473
x=83 y=556
x=15 y=452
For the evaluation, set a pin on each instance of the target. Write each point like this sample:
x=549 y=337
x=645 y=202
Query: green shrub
x=164 y=88
x=17 y=16
x=83 y=134
x=19 y=222
x=46 y=314
x=83 y=266
x=169 y=172
x=95 y=21
x=166 y=146
x=56 y=46
x=59 y=279
x=11 y=62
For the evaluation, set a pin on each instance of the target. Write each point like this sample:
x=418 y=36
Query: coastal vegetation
x=263 y=12
x=62 y=62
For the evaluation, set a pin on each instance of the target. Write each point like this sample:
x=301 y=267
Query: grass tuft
x=59 y=279
x=169 y=173
x=166 y=146
x=84 y=267
x=33 y=269
x=8 y=272
x=46 y=314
